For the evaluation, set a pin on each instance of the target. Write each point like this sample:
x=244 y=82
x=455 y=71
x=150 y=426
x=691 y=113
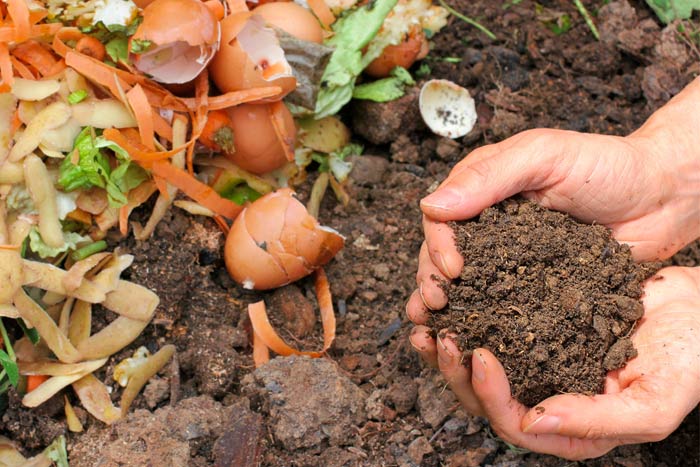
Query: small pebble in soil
x=554 y=299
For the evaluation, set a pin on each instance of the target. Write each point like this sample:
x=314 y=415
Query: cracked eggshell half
x=447 y=108
x=181 y=37
x=250 y=57
x=275 y=241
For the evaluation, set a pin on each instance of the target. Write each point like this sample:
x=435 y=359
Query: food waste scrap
x=217 y=108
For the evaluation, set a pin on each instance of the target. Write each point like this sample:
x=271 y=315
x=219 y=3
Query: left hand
x=642 y=402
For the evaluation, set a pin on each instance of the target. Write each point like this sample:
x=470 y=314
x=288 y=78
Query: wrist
x=669 y=141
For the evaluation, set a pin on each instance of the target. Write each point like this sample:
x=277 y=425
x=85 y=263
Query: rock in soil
x=179 y=436
x=381 y=122
x=553 y=299
x=307 y=401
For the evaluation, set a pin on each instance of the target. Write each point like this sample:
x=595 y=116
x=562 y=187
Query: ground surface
x=371 y=402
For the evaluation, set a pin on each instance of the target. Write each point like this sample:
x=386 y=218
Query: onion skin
x=405 y=54
x=275 y=241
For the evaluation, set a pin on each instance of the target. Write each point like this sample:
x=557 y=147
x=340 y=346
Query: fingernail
x=444 y=199
x=422 y=297
x=443 y=263
x=479 y=369
x=546 y=424
x=445 y=356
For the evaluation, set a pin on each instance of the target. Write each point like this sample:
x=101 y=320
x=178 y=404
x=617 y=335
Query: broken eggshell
x=447 y=108
x=293 y=19
x=250 y=57
x=275 y=241
x=176 y=40
x=261 y=144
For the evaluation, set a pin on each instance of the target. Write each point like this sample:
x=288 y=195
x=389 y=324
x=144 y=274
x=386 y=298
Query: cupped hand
x=642 y=402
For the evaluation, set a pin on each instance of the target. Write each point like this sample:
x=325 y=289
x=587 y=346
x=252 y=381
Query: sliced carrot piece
x=322 y=12
x=269 y=337
x=97 y=72
x=261 y=352
x=19 y=12
x=91 y=47
x=136 y=150
x=34 y=54
x=34 y=381
x=144 y=115
x=22 y=69
x=277 y=110
x=233 y=98
x=6 y=67
x=196 y=190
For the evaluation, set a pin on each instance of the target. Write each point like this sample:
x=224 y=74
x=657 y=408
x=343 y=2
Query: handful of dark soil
x=555 y=300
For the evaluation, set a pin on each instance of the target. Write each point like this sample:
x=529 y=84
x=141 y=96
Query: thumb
x=632 y=415
x=480 y=182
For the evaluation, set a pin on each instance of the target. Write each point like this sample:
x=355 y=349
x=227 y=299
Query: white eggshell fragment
x=447 y=108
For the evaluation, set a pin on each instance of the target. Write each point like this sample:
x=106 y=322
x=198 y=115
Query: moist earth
x=555 y=300
x=211 y=407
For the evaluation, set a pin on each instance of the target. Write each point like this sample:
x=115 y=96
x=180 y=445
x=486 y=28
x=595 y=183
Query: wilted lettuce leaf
x=57 y=452
x=335 y=162
x=353 y=31
x=387 y=89
x=93 y=168
x=669 y=10
x=70 y=242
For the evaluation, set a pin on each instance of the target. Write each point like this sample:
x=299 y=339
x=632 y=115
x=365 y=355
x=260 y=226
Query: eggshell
x=293 y=19
x=275 y=241
x=185 y=36
x=250 y=57
x=447 y=108
x=258 y=147
x=405 y=54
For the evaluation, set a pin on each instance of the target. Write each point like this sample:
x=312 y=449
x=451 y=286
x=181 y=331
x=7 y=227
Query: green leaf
x=94 y=169
x=57 y=452
x=77 y=96
x=386 y=89
x=353 y=31
x=337 y=164
x=139 y=46
x=118 y=49
x=10 y=367
x=32 y=334
x=241 y=194
x=669 y=10
x=70 y=242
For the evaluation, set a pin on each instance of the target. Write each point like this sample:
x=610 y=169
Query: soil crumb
x=555 y=300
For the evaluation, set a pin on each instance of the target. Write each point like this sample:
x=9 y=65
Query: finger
x=441 y=245
x=523 y=166
x=416 y=310
x=505 y=414
x=423 y=342
x=636 y=419
x=429 y=279
x=457 y=374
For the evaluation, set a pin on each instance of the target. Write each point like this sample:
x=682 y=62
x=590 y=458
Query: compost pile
x=553 y=299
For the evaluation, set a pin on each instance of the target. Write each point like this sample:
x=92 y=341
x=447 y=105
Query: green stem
x=586 y=16
x=467 y=20
x=88 y=250
x=6 y=339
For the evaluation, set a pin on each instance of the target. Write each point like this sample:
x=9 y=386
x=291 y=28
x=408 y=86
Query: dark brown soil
x=555 y=300
x=211 y=403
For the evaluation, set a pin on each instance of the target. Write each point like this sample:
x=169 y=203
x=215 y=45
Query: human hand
x=645 y=187
x=642 y=402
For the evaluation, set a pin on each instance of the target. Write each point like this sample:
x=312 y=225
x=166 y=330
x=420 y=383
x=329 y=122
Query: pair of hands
x=646 y=188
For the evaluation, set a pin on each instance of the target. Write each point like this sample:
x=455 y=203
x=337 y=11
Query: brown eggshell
x=277 y=228
x=404 y=55
x=258 y=148
x=249 y=264
x=233 y=69
x=293 y=19
x=168 y=21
